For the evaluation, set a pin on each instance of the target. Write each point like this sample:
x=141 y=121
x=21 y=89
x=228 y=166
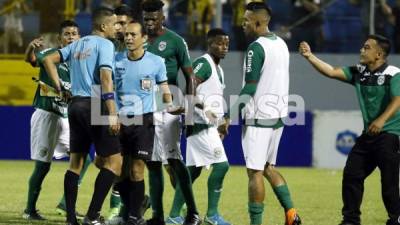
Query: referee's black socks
x=136 y=198
x=104 y=181
x=71 y=192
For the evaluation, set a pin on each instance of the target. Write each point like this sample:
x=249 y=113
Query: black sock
x=136 y=197
x=103 y=184
x=123 y=188
x=71 y=193
x=185 y=183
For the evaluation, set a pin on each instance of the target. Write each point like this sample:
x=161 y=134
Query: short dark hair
x=98 y=16
x=382 y=41
x=152 y=5
x=216 y=32
x=142 y=29
x=123 y=10
x=256 y=6
x=67 y=23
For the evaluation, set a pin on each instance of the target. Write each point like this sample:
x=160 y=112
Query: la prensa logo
x=345 y=141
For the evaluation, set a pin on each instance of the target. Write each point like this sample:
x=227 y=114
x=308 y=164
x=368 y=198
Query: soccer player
x=204 y=144
x=377 y=85
x=92 y=61
x=49 y=123
x=266 y=76
x=137 y=73
x=170 y=46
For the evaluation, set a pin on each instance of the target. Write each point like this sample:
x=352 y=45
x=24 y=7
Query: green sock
x=85 y=167
x=283 y=195
x=35 y=184
x=156 y=188
x=178 y=197
x=214 y=183
x=115 y=199
x=256 y=213
x=185 y=183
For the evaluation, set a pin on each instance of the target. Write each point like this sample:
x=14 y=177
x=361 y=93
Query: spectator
x=110 y=4
x=311 y=29
x=396 y=22
x=199 y=17
x=13 y=27
x=383 y=13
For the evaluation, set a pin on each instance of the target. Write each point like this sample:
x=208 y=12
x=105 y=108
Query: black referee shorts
x=138 y=140
x=83 y=133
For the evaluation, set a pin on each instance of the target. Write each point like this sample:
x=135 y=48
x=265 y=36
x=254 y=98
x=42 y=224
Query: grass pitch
x=316 y=194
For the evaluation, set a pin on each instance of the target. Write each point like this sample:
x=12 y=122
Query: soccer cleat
x=215 y=220
x=292 y=218
x=155 y=221
x=135 y=221
x=193 y=219
x=32 y=215
x=113 y=212
x=62 y=211
x=98 y=221
x=174 y=220
x=145 y=205
x=117 y=220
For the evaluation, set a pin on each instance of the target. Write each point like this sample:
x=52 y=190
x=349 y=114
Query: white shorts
x=49 y=136
x=167 y=137
x=205 y=148
x=260 y=146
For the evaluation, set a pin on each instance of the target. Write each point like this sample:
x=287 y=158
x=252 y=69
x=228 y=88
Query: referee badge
x=381 y=80
x=162 y=46
x=146 y=84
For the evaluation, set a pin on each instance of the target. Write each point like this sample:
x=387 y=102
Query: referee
x=378 y=90
x=91 y=61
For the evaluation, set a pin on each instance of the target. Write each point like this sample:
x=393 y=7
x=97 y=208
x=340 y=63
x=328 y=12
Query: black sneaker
x=32 y=215
x=145 y=205
x=155 y=221
x=135 y=221
x=193 y=219
x=98 y=221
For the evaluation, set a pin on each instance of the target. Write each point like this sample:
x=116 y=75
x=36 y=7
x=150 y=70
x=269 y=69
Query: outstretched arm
x=321 y=66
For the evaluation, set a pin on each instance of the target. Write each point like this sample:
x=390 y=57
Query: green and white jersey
x=267 y=64
x=375 y=90
x=174 y=50
x=211 y=91
x=45 y=96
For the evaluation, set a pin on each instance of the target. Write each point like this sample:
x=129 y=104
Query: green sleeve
x=245 y=95
x=201 y=68
x=182 y=53
x=395 y=85
x=349 y=72
x=254 y=62
x=40 y=55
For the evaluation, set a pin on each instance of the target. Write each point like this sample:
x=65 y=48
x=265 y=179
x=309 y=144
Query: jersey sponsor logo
x=120 y=70
x=83 y=54
x=380 y=80
x=345 y=141
x=162 y=45
x=249 y=61
x=198 y=67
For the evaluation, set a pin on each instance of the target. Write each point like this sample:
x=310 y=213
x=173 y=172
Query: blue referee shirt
x=136 y=81
x=85 y=57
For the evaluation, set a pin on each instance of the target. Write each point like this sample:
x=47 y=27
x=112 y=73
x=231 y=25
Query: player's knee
x=137 y=170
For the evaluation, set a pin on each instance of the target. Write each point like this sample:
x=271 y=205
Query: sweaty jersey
x=267 y=64
x=45 y=96
x=85 y=57
x=375 y=90
x=174 y=50
x=135 y=82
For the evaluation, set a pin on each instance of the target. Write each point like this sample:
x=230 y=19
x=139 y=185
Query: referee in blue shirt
x=91 y=61
x=137 y=74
